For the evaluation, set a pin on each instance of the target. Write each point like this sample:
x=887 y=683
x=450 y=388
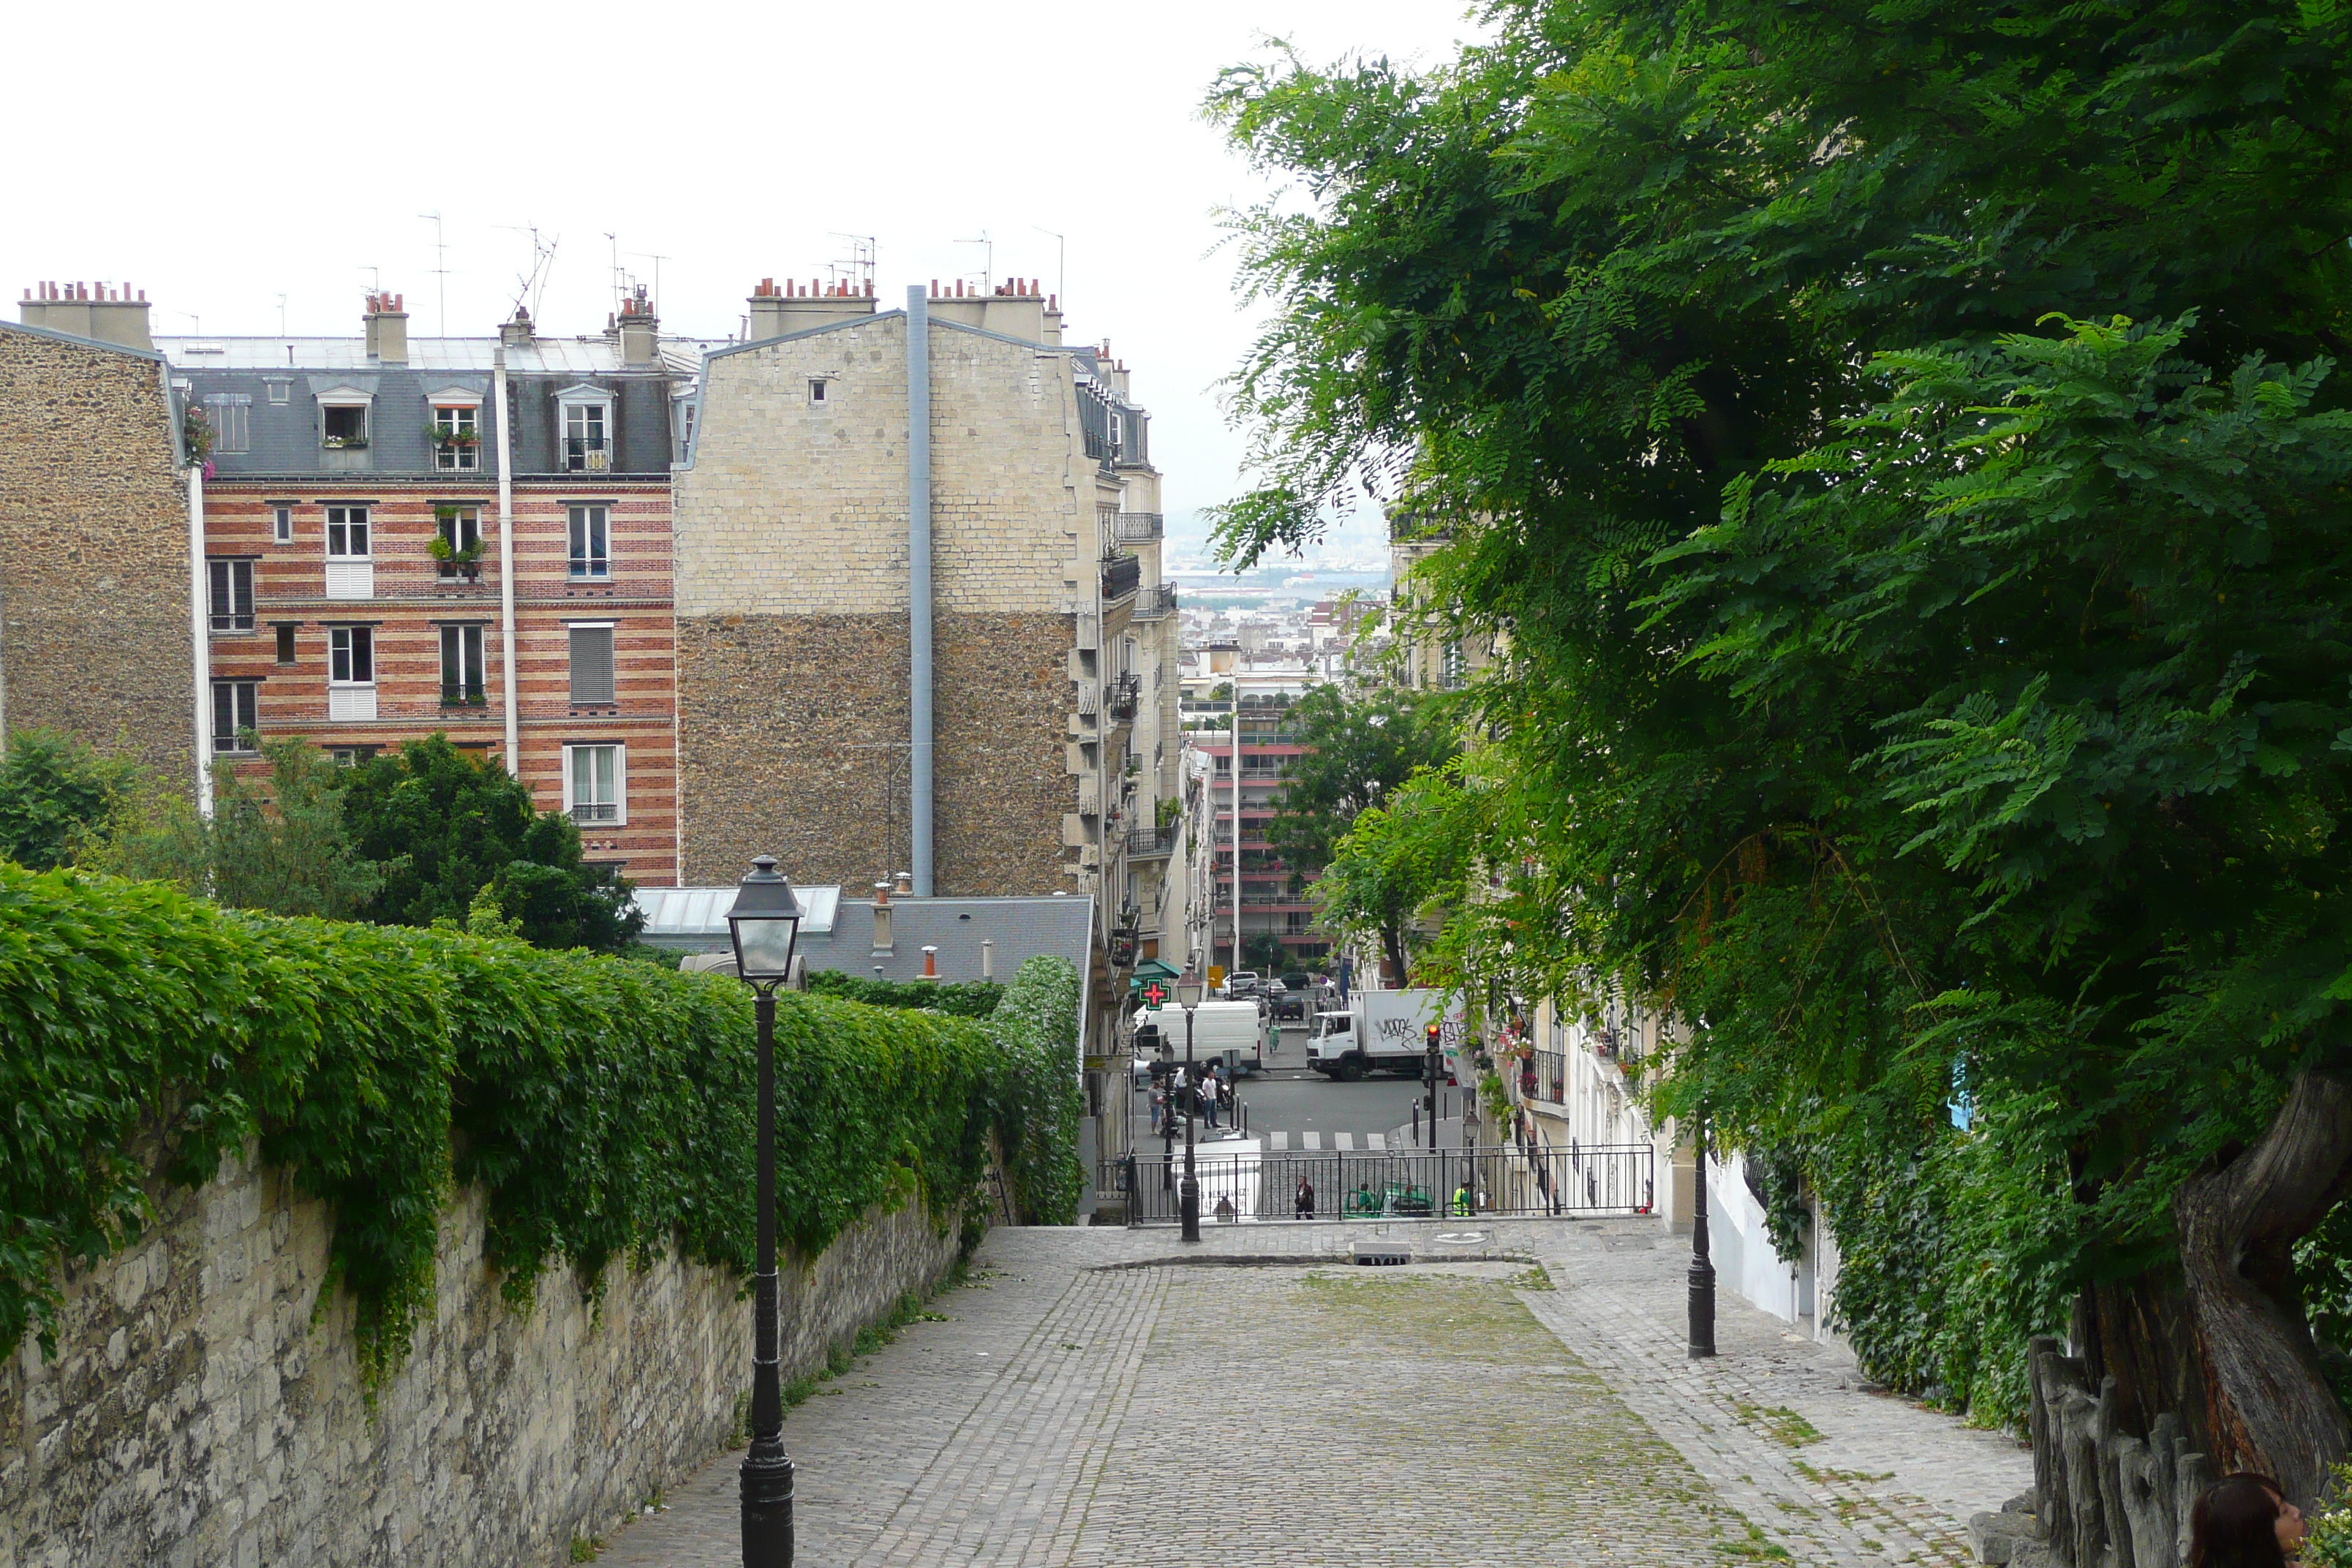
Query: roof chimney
x=906 y=884
x=640 y=340
x=386 y=322
x=930 y=963
x=516 y=333
x=90 y=310
x=778 y=310
x=881 y=920
x=988 y=958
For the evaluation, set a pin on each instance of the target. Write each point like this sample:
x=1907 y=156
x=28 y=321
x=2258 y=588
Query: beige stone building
x=97 y=556
x=801 y=589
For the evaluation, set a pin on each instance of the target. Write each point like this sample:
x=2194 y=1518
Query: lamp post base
x=1701 y=1309
x=1188 y=1202
x=767 y=1493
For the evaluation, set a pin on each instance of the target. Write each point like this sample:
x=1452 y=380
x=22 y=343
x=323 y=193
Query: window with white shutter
x=592 y=665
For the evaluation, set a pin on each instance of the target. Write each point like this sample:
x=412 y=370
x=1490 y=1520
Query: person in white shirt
x=1209 y=1097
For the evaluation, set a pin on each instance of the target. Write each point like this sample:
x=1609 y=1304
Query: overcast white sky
x=225 y=159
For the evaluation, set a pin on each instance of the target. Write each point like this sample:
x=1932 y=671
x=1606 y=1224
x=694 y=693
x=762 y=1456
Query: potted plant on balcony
x=467 y=562
x=452 y=434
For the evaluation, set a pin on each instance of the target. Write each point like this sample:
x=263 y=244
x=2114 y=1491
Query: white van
x=1228 y=1032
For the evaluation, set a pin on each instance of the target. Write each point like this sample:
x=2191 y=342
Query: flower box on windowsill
x=451 y=575
x=464 y=697
x=344 y=443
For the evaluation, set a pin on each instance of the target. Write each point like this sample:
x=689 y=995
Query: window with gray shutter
x=592 y=665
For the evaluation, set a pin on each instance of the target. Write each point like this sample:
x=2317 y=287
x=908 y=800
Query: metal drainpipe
x=505 y=564
x=200 y=629
x=918 y=582
x=1237 y=825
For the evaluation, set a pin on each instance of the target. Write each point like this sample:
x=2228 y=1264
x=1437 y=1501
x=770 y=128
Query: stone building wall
x=792 y=609
x=201 y=1409
x=94 y=635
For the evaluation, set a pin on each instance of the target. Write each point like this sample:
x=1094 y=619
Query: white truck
x=1230 y=1033
x=1381 y=1031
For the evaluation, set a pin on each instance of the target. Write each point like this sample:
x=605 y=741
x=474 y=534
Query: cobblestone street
x=1090 y=1399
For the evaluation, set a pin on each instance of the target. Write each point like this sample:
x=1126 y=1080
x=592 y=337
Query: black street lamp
x=764 y=924
x=1188 y=1192
x=1702 y=1269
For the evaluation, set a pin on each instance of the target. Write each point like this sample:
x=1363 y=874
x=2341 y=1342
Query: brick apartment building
x=469 y=535
x=1053 y=712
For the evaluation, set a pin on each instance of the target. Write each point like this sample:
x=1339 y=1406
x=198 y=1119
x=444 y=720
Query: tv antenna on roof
x=987 y=261
x=1061 y=260
x=532 y=285
x=657 y=261
x=857 y=268
x=440 y=270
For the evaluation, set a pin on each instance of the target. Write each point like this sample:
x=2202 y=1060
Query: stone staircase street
x=1102 y=1396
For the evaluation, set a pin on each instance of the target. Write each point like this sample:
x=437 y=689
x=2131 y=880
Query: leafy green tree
x=280 y=847
x=52 y=788
x=1360 y=748
x=1894 y=694
x=448 y=823
x=1399 y=861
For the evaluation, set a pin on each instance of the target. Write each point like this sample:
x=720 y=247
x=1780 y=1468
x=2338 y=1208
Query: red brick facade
x=414 y=598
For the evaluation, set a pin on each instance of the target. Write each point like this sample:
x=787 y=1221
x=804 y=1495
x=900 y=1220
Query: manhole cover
x=1462 y=1237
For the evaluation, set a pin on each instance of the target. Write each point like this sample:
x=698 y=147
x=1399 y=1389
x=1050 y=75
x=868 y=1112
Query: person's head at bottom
x=2244 y=1522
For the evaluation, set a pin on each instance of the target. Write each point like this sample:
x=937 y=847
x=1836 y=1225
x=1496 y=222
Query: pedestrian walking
x=1302 y=1206
x=2244 y=1522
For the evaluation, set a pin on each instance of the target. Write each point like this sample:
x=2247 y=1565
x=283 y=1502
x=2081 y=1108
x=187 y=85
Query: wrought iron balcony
x=1156 y=603
x=1136 y=527
x=1120 y=574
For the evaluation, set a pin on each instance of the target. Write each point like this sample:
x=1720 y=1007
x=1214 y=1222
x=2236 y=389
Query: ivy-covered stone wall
x=204 y=1404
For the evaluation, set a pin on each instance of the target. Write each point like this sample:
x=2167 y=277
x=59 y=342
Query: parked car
x=1240 y=984
x=1286 y=1001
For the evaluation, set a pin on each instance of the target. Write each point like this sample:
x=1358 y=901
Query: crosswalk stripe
x=1278 y=1142
x=1343 y=1142
x=1376 y=1141
x=1311 y=1141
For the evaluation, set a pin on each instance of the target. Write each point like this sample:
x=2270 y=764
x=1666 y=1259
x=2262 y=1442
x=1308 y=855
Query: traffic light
x=1433 y=1036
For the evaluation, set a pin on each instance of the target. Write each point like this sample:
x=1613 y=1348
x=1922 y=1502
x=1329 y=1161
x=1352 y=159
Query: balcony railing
x=1120 y=573
x=1137 y=528
x=1143 y=843
x=1545 y=1078
x=590 y=454
x=1123 y=694
x=462 y=694
x=1156 y=603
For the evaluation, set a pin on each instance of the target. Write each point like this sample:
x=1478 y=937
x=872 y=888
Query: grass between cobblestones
x=1438 y=1420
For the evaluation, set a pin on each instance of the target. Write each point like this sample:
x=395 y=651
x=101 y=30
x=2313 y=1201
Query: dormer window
x=456 y=436
x=343 y=432
x=587 y=443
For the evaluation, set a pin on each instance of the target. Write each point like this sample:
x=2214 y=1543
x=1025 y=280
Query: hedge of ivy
x=961 y=999
x=605 y=1107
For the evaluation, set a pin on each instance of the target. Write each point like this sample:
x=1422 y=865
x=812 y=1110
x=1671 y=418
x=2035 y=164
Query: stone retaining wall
x=203 y=1405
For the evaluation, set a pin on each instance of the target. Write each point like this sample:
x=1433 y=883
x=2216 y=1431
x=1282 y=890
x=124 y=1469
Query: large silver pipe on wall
x=919 y=581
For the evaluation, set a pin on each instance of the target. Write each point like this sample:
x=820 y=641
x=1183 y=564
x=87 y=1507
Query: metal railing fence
x=1504 y=1181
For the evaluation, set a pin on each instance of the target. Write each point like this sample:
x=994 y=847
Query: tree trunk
x=2267 y=1407
x=1392 y=944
